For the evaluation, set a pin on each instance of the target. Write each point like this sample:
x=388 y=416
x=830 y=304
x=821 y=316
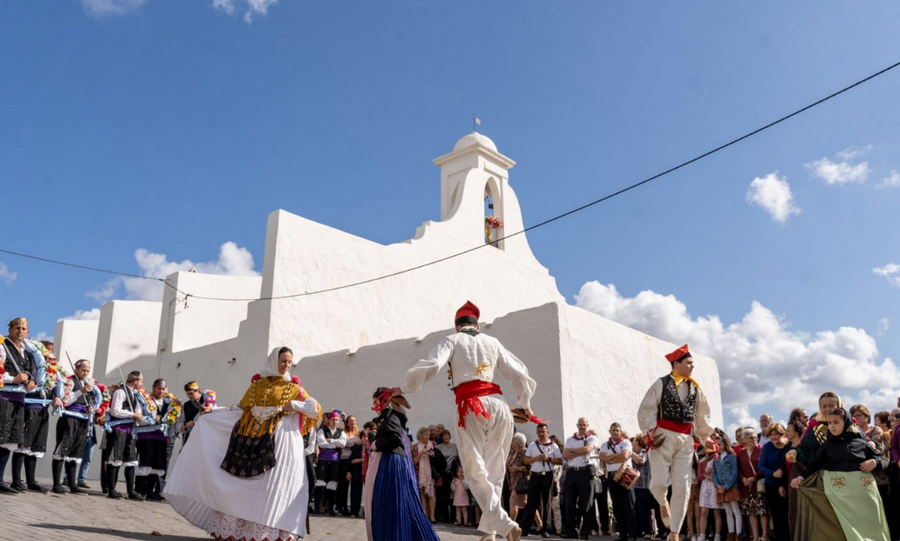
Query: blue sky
x=176 y=127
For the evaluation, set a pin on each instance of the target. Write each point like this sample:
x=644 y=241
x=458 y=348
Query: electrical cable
x=511 y=235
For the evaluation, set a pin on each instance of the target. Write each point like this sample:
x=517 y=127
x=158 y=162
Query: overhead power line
x=479 y=247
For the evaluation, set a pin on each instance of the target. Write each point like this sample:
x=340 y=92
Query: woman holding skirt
x=841 y=495
x=243 y=475
x=393 y=509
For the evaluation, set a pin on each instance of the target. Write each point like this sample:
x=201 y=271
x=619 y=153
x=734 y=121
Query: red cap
x=678 y=354
x=469 y=313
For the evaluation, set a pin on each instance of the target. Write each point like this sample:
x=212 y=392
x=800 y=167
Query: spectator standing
x=753 y=502
x=554 y=512
x=516 y=469
x=443 y=511
x=354 y=468
x=579 y=454
x=616 y=454
x=645 y=504
x=541 y=457
x=799 y=415
x=422 y=452
x=330 y=440
x=794 y=433
x=709 y=498
x=725 y=477
x=351 y=429
x=765 y=422
x=461 y=499
x=771 y=464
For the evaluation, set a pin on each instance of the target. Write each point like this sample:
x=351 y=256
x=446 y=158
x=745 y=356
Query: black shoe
x=6 y=489
x=585 y=537
x=155 y=498
x=135 y=496
x=34 y=487
x=545 y=534
x=19 y=487
x=59 y=489
x=76 y=490
x=114 y=495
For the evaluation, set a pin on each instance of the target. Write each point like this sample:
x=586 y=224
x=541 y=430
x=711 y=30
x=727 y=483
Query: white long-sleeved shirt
x=324 y=443
x=472 y=358
x=116 y=404
x=647 y=413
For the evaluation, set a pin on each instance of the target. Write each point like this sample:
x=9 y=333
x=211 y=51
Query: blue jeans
x=86 y=460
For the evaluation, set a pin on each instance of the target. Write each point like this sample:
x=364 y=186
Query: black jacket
x=391 y=427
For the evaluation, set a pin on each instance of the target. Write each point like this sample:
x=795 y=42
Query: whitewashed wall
x=127 y=338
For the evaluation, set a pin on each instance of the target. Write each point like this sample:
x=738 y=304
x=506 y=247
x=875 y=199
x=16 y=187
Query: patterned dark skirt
x=12 y=422
x=71 y=437
x=754 y=505
x=37 y=429
x=122 y=449
x=247 y=456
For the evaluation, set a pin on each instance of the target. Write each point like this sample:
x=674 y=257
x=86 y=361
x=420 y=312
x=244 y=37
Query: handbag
x=522 y=485
x=760 y=484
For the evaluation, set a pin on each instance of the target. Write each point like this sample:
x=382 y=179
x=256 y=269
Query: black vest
x=671 y=408
x=24 y=362
x=331 y=435
x=127 y=404
x=191 y=410
x=163 y=409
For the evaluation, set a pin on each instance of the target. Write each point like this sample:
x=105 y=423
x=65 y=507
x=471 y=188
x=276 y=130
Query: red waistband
x=674 y=426
x=467 y=399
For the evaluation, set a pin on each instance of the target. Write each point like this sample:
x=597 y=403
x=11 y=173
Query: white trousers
x=483 y=447
x=670 y=464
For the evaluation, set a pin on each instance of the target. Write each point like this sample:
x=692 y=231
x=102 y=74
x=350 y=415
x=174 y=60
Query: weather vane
x=475 y=122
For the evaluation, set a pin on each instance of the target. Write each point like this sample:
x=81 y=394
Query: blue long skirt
x=397 y=513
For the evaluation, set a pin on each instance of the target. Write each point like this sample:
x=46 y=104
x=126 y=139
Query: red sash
x=674 y=426
x=467 y=399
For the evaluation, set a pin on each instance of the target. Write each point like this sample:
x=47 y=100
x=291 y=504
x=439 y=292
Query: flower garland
x=107 y=393
x=52 y=366
x=172 y=413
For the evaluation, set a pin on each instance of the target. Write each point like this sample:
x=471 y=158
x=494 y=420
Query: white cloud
x=773 y=194
x=41 y=336
x=233 y=260
x=7 y=275
x=254 y=7
x=224 y=5
x=853 y=151
x=891 y=271
x=891 y=181
x=101 y=8
x=884 y=325
x=84 y=314
x=840 y=170
x=738 y=417
x=762 y=362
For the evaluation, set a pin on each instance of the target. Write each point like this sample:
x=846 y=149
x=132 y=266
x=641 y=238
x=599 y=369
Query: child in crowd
x=460 y=490
x=725 y=475
x=709 y=498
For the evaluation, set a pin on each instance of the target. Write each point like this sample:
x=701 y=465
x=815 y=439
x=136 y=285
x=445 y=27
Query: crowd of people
x=833 y=475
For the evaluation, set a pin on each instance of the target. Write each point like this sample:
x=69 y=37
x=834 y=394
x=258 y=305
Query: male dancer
x=485 y=423
x=672 y=412
x=24 y=420
x=76 y=399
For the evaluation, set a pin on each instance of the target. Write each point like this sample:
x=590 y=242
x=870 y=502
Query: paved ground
x=93 y=517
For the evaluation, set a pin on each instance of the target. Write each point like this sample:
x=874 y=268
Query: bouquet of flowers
x=106 y=400
x=211 y=400
x=52 y=366
x=174 y=410
x=493 y=222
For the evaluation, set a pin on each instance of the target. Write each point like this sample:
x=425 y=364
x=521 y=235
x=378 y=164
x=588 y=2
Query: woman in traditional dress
x=244 y=476
x=817 y=430
x=840 y=494
x=393 y=509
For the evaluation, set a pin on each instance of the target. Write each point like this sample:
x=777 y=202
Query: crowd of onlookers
x=741 y=485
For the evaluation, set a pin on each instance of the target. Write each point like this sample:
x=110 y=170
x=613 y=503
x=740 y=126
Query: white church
x=354 y=340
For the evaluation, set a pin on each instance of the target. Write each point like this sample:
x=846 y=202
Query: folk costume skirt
x=122 y=448
x=152 y=455
x=396 y=510
x=71 y=437
x=838 y=506
x=12 y=423
x=37 y=429
x=269 y=506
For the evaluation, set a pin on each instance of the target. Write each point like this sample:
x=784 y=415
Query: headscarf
x=851 y=431
x=270 y=367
